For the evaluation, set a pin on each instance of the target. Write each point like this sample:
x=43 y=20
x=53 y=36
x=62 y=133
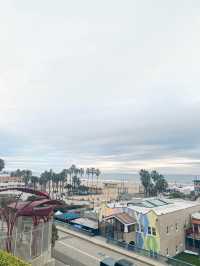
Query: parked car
x=124 y=262
x=111 y=262
x=107 y=262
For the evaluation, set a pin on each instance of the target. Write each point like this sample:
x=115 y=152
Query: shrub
x=7 y=259
x=54 y=236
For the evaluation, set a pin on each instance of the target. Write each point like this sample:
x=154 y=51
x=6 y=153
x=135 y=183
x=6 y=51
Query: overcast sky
x=111 y=84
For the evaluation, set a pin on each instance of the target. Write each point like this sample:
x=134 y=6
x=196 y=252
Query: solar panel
x=148 y=204
x=165 y=201
x=158 y=202
x=152 y=203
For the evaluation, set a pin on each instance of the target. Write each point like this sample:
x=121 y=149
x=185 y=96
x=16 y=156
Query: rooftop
x=165 y=207
x=86 y=222
x=196 y=216
x=159 y=205
x=123 y=218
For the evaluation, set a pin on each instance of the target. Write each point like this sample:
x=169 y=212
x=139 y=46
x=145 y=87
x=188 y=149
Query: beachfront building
x=193 y=234
x=7 y=181
x=197 y=186
x=110 y=191
x=154 y=224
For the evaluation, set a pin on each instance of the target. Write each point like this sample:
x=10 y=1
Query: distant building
x=112 y=190
x=10 y=181
x=193 y=234
x=197 y=185
x=154 y=224
x=8 y=178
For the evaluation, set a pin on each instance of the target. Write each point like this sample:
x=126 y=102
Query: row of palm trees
x=67 y=180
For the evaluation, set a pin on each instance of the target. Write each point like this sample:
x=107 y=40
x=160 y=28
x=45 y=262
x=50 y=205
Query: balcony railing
x=192 y=234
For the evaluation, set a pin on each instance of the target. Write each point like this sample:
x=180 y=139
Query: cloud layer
x=100 y=83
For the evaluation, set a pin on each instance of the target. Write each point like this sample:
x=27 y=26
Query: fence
x=147 y=253
x=131 y=248
x=72 y=227
x=28 y=243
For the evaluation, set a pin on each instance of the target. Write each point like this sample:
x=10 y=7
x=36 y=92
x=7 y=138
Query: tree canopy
x=2 y=164
x=153 y=182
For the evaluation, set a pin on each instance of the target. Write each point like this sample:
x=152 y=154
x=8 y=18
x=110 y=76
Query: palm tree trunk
x=88 y=177
x=49 y=183
x=92 y=180
x=97 y=184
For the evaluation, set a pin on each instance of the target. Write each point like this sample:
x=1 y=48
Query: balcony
x=192 y=234
x=192 y=240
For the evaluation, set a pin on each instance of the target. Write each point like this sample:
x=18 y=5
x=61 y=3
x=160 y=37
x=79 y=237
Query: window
x=153 y=231
x=149 y=230
x=176 y=249
x=138 y=228
x=142 y=228
x=167 y=229
x=131 y=228
x=176 y=227
x=167 y=252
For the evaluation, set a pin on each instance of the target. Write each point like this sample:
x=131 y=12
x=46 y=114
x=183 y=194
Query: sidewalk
x=100 y=241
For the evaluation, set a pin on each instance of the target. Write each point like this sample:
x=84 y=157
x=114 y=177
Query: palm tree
x=97 y=175
x=43 y=180
x=57 y=181
x=146 y=181
x=76 y=178
x=41 y=183
x=46 y=178
x=2 y=164
x=63 y=174
x=71 y=173
x=68 y=187
x=49 y=178
x=53 y=181
x=26 y=175
x=74 y=181
x=67 y=180
x=92 y=171
x=88 y=176
x=81 y=172
x=34 y=181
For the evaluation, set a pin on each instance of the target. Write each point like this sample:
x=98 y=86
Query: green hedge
x=7 y=259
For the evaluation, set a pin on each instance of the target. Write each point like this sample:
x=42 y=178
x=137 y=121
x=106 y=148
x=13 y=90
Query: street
x=74 y=251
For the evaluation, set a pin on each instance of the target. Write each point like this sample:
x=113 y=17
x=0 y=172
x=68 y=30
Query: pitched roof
x=123 y=218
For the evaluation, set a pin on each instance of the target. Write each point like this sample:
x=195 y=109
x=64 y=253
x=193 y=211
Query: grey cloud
x=107 y=84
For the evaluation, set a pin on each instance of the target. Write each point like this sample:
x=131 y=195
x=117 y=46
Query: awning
x=67 y=216
x=86 y=222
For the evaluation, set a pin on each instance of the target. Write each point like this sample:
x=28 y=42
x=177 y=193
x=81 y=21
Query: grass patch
x=9 y=260
x=192 y=259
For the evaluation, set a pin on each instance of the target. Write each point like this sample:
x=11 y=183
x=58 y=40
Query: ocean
x=178 y=179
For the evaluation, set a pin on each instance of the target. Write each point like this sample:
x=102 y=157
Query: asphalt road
x=74 y=251
x=59 y=263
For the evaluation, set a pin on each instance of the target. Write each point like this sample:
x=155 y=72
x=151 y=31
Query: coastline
x=171 y=179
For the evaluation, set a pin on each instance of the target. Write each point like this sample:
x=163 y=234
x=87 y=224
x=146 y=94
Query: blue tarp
x=67 y=216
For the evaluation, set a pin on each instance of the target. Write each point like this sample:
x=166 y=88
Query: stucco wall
x=144 y=240
x=175 y=237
